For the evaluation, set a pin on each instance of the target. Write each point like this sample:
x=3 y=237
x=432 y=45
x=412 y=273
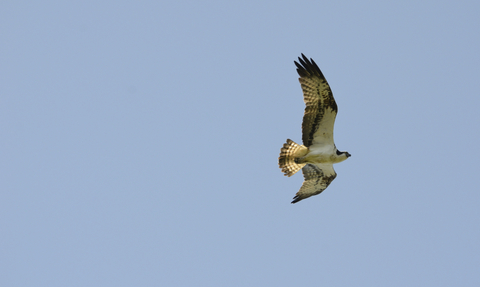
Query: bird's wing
x=317 y=178
x=321 y=108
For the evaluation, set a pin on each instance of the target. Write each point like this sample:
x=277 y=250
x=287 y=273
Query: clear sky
x=139 y=143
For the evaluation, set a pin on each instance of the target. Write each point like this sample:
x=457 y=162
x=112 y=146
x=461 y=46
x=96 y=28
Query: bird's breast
x=319 y=158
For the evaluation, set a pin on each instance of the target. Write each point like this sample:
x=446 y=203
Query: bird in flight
x=318 y=153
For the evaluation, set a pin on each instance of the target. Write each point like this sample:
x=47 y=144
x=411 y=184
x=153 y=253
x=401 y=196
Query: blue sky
x=139 y=143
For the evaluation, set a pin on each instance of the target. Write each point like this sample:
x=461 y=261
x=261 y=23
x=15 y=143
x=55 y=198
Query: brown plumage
x=318 y=153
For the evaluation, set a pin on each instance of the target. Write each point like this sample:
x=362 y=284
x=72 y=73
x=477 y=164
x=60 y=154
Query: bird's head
x=342 y=155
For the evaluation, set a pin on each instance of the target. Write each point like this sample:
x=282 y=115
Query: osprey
x=318 y=153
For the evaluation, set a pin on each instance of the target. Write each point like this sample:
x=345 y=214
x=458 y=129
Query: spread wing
x=317 y=178
x=321 y=108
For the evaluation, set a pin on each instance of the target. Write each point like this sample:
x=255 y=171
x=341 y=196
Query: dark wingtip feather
x=308 y=68
x=296 y=199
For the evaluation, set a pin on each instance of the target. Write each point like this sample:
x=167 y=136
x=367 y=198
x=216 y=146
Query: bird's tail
x=288 y=153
